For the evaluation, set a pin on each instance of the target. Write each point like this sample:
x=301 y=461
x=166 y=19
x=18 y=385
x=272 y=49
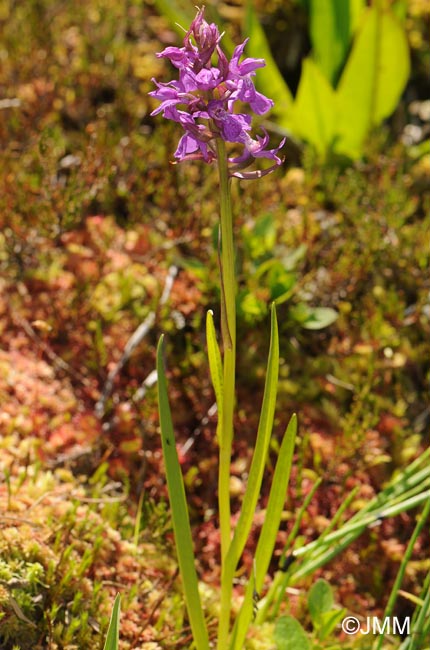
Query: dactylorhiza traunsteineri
x=207 y=101
x=204 y=100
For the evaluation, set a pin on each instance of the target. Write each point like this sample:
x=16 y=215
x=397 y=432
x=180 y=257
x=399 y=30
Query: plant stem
x=228 y=331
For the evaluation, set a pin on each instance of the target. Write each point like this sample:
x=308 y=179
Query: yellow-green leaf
x=315 y=113
x=373 y=80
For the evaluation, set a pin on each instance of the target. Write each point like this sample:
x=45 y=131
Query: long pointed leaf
x=215 y=365
x=275 y=505
x=112 y=638
x=178 y=504
x=403 y=566
x=261 y=448
x=267 y=539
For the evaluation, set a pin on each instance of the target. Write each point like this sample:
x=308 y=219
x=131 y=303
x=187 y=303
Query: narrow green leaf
x=270 y=81
x=289 y=635
x=255 y=478
x=314 y=111
x=178 y=504
x=267 y=539
x=245 y=616
x=276 y=502
x=112 y=638
x=422 y=520
x=261 y=448
x=373 y=79
x=215 y=363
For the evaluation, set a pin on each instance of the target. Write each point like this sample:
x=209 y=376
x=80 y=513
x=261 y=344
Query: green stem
x=228 y=331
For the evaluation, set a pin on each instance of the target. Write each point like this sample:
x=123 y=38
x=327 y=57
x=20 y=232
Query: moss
x=62 y=562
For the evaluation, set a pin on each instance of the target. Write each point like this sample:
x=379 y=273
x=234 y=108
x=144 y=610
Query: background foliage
x=92 y=217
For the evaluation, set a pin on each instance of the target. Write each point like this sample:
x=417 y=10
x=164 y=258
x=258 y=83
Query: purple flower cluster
x=203 y=99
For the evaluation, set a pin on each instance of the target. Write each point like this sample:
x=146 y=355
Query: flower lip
x=248 y=66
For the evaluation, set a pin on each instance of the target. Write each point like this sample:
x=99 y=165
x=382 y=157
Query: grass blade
x=401 y=572
x=112 y=638
x=178 y=504
x=323 y=552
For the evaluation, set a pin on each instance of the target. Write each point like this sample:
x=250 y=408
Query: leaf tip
x=160 y=351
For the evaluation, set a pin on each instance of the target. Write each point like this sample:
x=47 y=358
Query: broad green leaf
x=261 y=237
x=331 y=26
x=329 y=621
x=290 y=260
x=112 y=638
x=373 y=79
x=269 y=80
x=356 y=8
x=400 y=9
x=319 y=317
x=289 y=635
x=178 y=504
x=320 y=600
x=215 y=363
x=314 y=111
x=267 y=539
x=250 y=306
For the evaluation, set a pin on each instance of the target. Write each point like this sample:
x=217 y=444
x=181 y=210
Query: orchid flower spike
x=204 y=99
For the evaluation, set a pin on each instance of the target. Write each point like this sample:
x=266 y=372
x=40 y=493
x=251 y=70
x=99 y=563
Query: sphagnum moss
x=62 y=556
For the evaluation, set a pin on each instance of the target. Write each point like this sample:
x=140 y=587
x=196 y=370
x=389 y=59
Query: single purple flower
x=247 y=66
x=191 y=148
x=232 y=126
x=168 y=94
x=179 y=56
x=257 y=149
x=205 y=79
x=244 y=90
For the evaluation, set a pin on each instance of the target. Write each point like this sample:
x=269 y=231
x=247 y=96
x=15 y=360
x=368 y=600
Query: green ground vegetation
x=93 y=218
